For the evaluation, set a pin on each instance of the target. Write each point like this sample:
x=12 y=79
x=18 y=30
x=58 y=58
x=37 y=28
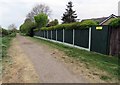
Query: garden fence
x=95 y=38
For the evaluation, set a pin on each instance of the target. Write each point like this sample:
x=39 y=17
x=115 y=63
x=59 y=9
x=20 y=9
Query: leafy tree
x=41 y=20
x=40 y=8
x=27 y=27
x=53 y=23
x=69 y=16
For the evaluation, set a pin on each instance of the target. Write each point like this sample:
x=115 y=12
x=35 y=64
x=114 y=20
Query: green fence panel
x=36 y=34
x=53 y=34
x=42 y=33
x=68 y=36
x=60 y=35
x=49 y=34
x=82 y=38
x=45 y=33
x=39 y=33
x=99 y=39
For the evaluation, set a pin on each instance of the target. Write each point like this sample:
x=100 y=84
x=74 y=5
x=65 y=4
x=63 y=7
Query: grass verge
x=4 y=57
x=108 y=64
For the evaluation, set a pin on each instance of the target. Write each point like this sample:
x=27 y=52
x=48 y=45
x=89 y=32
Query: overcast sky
x=15 y=11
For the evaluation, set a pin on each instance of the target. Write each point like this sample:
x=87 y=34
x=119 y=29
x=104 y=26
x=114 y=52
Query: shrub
x=53 y=23
x=88 y=23
x=4 y=32
x=12 y=34
x=76 y=25
x=115 y=23
x=27 y=27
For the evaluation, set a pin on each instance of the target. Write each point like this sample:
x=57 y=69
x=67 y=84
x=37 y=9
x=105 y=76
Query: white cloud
x=14 y=11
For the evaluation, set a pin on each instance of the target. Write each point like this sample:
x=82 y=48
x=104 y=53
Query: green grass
x=109 y=64
x=4 y=45
x=0 y=56
x=0 y=48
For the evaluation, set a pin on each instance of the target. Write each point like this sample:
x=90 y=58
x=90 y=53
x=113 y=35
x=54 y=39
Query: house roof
x=103 y=19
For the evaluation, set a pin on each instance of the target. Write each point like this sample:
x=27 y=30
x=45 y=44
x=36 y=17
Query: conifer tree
x=69 y=16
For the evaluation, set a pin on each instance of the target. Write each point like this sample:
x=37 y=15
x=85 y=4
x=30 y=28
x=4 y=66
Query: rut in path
x=48 y=68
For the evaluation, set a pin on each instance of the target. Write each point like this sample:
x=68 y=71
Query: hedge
x=115 y=23
x=76 y=25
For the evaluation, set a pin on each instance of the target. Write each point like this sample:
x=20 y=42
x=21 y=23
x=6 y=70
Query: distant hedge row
x=76 y=25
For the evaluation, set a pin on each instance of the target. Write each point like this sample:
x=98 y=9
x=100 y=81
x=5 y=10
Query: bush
x=76 y=25
x=27 y=27
x=88 y=23
x=4 y=32
x=53 y=23
x=12 y=34
x=115 y=23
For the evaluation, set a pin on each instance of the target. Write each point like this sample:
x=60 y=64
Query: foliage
x=27 y=27
x=70 y=15
x=4 y=32
x=53 y=23
x=75 y=25
x=10 y=32
x=88 y=23
x=41 y=20
x=115 y=23
x=36 y=29
x=37 y=9
x=6 y=43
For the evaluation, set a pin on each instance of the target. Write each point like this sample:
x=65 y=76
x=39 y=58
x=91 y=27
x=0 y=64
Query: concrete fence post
x=90 y=38
x=51 y=34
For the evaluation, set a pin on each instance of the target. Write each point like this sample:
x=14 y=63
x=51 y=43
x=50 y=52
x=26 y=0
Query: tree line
x=11 y=31
x=38 y=18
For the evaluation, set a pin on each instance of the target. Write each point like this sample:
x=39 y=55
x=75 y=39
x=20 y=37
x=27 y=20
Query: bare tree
x=40 y=8
x=12 y=27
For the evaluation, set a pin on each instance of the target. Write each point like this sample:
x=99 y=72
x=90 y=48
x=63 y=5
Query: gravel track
x=49 y=69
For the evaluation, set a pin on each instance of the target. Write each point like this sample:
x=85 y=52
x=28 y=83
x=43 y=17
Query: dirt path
x=49 y=69
x=17 y=67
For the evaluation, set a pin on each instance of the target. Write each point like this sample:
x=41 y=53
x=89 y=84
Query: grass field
x=109 y=64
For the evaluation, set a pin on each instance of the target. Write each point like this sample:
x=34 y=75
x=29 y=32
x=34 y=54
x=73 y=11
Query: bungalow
x=103 y=20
